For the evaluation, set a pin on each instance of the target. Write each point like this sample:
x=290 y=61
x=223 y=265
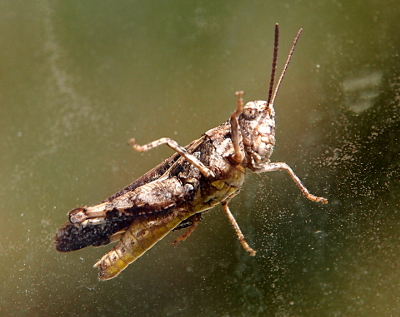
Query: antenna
x=271 y=101
x=274 y=59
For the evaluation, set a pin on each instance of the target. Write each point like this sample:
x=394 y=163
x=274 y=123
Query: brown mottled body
x=158 y=206
x=173 y=195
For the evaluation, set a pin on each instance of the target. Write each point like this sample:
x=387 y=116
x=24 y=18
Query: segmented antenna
x=274 y=60
x=286 y=64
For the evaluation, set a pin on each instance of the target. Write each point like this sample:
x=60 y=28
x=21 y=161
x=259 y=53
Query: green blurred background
x=79 y=78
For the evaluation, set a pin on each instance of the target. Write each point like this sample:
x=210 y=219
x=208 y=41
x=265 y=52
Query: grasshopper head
x=257 y=124
x=257 y=120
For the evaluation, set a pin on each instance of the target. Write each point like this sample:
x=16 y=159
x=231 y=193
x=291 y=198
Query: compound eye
x=249 y=113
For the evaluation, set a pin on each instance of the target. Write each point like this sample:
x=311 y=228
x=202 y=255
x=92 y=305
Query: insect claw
x=137 y=147
x=313 y=197
x=318 y=199
x=239 y=93
x=252 y=252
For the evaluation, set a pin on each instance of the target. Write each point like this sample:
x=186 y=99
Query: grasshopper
x=174 y=195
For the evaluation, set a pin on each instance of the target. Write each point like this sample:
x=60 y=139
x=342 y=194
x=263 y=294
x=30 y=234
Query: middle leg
x=280 y=166
x=239 y=233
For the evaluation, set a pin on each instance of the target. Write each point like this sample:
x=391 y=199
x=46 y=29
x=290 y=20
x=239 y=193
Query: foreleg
x=235 y=130
x=279 y=166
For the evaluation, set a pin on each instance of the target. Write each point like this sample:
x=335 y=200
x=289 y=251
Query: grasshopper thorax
x=257 y=125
